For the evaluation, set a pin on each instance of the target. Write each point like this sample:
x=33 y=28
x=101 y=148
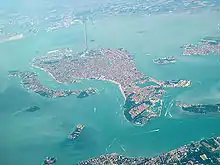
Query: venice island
x=205 y=151
x=142 y=94
x=30 y=81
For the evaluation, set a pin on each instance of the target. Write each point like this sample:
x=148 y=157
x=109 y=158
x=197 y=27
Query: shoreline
x=119 y=85
x=34 y=66
x=111 y=81
x=101 y=79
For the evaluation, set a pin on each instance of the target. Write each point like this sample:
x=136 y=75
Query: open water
x=28 y=137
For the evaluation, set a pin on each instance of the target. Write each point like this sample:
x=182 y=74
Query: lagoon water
x=28 y=137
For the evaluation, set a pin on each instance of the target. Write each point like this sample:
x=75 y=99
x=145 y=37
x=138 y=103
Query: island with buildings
x=205 y=151
x=200 y=108
x=165 y=60
x=16 y=25
x=206 y=46
x=30 y=81
x=142 y=94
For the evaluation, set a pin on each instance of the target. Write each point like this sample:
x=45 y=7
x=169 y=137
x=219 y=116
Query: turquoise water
x=29 y=137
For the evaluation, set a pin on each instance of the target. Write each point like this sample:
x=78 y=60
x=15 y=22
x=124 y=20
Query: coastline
x=112 y=81
x=101 y=79
x=47 y=72
x=119 y=85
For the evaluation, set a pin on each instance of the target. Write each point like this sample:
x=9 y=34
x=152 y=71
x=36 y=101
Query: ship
x=49 y=160
x=76 y=133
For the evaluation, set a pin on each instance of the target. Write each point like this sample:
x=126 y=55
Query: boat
x=76 y=133
x=49 y=160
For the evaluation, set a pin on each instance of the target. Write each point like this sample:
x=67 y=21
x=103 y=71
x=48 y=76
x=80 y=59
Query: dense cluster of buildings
x=206 y=46
x=19 y=24
x=110 y=159
x=54 y=17
x=150 y=7
x=30 y=81
x=116 y=66
x=143 y=103
x=59 y=21
x=206 y=152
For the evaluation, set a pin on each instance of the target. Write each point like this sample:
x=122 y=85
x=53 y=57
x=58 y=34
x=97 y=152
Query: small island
x=32 y=109
x=200 y=108
x=206 y=46
x=205 y=151
x=30 y=81
x=165 y=60
x=142 y=94
x=28 y=109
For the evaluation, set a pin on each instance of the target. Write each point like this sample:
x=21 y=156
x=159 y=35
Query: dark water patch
x=146 y=84
x=51 y=62
x=83 y=94
x=15 y=98
x=212 y=40
x=29 y=109
x=32 y=109
x=129 y=104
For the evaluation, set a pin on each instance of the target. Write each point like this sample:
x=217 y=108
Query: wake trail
x=155 y=130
